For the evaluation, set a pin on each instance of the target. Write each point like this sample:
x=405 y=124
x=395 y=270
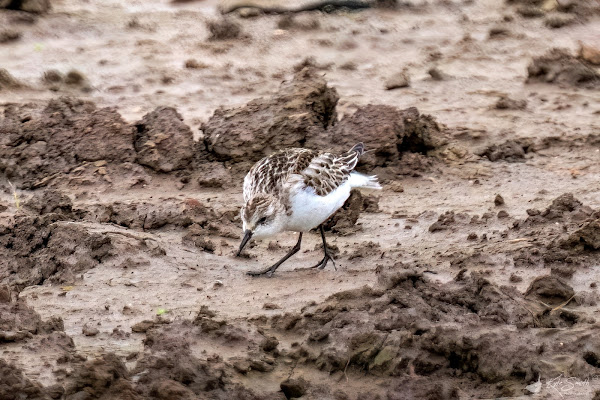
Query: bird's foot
x=321 y=264
x=267 y=272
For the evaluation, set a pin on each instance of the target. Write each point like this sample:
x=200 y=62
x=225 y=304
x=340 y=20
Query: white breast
x=310 y=210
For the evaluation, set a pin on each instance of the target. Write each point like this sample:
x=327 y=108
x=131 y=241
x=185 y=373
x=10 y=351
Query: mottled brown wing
x=269 y=174
x=327 y=171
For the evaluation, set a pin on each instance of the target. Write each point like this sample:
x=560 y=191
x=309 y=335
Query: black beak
x=246 y=239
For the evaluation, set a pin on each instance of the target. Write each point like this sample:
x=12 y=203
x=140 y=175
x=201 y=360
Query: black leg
x=269 y=271
x=327 y=256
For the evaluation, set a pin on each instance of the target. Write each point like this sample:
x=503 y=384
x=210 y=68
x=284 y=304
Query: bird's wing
x=269 y=174
x=327 y=171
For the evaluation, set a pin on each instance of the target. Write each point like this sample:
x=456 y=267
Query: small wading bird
x=297 y=190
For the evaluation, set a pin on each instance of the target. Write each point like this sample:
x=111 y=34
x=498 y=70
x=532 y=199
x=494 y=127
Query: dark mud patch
x=25 y=330
x=36 y=144
x=146 y=215
x=344 y=220
x=18 y=322
x=8 y=81
x=300 y=22
x=162 y=141
x=71 y=141
x=71 y=81
x=551 y=289
x=511 y=151
x=386 y=131
x=31 y=6
x=585 y=238
x=51 y=201
x=179 y=359
x=566 y=236
x=14 y=385
x=104 y=377
x=411 y=326
x=38 y=248
x=560 y=67
x=9 y=35
x=507 y=103
x=224 y=29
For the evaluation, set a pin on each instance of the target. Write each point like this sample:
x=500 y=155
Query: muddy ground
x=125 y=133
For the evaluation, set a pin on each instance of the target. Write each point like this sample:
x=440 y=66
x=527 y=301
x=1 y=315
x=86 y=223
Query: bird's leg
x=269 y=271
x=327 y=256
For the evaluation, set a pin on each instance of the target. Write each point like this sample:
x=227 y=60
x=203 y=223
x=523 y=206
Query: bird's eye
x=262 y=220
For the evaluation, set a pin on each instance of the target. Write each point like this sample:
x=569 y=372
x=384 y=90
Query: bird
x=297 y=190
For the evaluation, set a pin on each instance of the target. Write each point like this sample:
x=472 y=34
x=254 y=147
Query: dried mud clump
x=32 y=6
x=397 y=80
x=169 y=369
x=224 y=29
x=302 y=108
x=585 y=238
x=22 y=328
x=559 y=66
x=344 y=220
x=506 y=103
x=36 y=248
x=567 y=233
x=51 y=201
x=14 y=385
x=565 y=203
x=55 y=80
x=105 y=377
x=162 y=141
x=35 y=145
x=510 y=151
x=9 y=35
x=550 y=289
x=386 y=132
x=589 y=53
x=528 y=11
x=412 y=327
x=9 y=82
x=146 y=215
x=19 y=322
x=559 y=20
x=303 y=114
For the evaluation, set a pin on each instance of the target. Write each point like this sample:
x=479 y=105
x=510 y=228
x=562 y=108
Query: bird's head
x=263 y=215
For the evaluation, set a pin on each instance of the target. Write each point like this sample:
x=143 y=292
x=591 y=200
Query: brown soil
x=125 y=134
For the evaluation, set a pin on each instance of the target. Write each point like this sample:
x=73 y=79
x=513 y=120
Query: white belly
x=310 y=210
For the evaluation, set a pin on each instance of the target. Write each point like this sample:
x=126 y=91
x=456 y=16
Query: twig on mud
x=563 y=304
x=518 y=240
x=15 y=195
x=345 y=368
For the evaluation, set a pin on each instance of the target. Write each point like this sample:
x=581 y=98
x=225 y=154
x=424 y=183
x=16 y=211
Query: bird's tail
x=358 y=148
x=366 y=182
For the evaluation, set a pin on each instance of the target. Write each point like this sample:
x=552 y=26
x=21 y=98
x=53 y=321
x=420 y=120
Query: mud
x=163 y=142
x=303 y=108
x=39 y=143
x=31 y=6
x=40 y=248
x=560 y=67
x=124 y=139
